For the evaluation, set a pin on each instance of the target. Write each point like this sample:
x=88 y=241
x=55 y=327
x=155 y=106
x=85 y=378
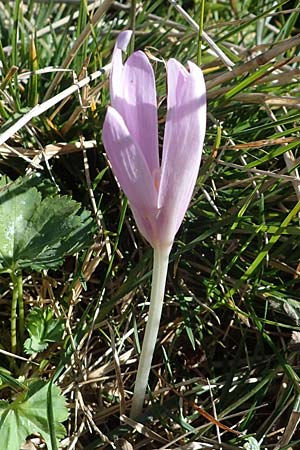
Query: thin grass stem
x=200 y=33
x=19 y=287
x=13 y=315
x=160 y=268
x=132 y=25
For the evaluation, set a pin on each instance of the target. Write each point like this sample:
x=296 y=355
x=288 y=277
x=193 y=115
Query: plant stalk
x=200 y=33
x=17 y=302
x=21 y=308
x=160 y=269
x=13 y=315
x=132 y=25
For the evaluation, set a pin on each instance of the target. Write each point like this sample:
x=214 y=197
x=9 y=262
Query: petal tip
x=123 y=40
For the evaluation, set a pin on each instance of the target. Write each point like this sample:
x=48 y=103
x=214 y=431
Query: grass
x=226 y=366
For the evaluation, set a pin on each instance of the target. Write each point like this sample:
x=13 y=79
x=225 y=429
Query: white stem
x=160 y=269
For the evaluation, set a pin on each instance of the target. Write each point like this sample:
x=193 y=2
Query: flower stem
x=160 y=268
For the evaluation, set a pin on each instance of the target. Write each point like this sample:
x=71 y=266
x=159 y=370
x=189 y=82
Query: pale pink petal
x=128 y=163
x=147 y=224
x=183 y=142
x=154 y=226
x=177 y=75
x=133 y=95
x=117 y=64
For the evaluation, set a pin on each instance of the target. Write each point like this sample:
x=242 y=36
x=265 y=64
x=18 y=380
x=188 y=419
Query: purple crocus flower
x=158 y=192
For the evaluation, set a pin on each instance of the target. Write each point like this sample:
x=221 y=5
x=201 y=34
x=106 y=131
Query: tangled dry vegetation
x=225 y=371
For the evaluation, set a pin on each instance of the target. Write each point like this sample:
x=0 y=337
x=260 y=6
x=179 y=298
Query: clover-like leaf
x=38 y=231
x=43 y=328
x=28 y=414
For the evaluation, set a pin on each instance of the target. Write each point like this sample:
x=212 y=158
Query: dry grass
x=226 y=365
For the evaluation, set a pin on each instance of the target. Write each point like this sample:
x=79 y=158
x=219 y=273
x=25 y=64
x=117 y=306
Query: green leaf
x=8 y=380
x=43 y=328
x=39 y=232
x=28 y=414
